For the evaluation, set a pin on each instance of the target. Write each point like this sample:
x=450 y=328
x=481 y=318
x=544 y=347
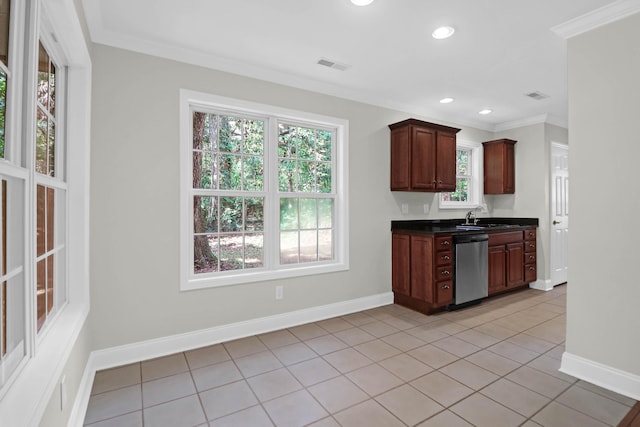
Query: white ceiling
x=501 y=50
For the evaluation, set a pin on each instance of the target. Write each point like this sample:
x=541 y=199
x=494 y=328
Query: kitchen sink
x=469 y=227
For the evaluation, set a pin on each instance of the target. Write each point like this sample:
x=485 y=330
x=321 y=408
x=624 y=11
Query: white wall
x=604 y=291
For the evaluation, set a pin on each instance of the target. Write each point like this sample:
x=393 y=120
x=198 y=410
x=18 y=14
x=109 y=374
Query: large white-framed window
x=45 y=93
x=468 y=193
x=263 y=192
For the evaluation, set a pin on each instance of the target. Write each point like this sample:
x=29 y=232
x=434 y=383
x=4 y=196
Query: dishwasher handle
x=470 y=238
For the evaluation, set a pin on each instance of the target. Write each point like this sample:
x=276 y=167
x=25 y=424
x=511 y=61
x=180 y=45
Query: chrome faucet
x=471 y=215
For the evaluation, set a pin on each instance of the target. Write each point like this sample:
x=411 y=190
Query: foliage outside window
x=468 y=178
x=265 y=195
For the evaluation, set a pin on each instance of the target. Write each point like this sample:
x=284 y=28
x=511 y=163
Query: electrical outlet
x=279 y=292
x=404 y=208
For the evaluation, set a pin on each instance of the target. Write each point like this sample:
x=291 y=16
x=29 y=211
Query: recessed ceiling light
x=485 y=111
x=361 y=2
x=442 y=32
x=446 y=100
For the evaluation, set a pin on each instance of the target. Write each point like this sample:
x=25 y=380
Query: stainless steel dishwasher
x=471 y=266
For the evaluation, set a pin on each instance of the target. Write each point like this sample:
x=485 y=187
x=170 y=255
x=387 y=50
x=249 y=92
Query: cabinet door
x=400 y=161
x=446 y=161
x=422 y=268
x=509 y=169
x=423 y=161
x=400 y=253
x=515 y=264
x=497 y=268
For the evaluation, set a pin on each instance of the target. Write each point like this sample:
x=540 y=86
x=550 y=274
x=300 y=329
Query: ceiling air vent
x=332 y=64
x=536 y=95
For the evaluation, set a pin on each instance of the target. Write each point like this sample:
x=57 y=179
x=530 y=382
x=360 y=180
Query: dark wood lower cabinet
x=423 y=271
x=497 y=268
x=515 y=264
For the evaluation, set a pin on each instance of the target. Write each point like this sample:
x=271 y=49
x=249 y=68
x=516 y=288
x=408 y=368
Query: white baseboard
x=149 y=349
x=613 y=379
x=541 y=285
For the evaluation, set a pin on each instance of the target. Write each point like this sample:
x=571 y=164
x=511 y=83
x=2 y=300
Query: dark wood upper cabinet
x=499 y=166
x=423 y=156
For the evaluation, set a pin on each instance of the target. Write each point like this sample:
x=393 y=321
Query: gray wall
x=602 y=308
x=134 y=203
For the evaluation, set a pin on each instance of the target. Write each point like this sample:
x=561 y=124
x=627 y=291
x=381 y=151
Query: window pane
x=306 y=146
x=5 y=14
x=289 y=247
x=50 y=278
x=287 y=176
x=324 y=178
x=253 y=173
x=288 y=214
x=254 y=137
x=325 y=245
x=205 y=214
x=286 y=141
x=41 y=295
x=231 y=214
x=254 y=214
x=308 y=214
x=50 y=218
x=325 y=213
x=231 y=251
x=308 y=246
x=323 y=146
x=463 y=162
x=230 y=172
x=42 y=141
x=230 y=134
x=205 y=255
x=254 y=250
x=41 y=226
x=204 y=170
x=307 y=177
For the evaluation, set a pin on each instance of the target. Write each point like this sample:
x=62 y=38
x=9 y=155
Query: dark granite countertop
x=450 y=226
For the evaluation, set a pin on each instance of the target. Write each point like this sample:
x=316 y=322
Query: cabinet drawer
x=444 y=293
x=496 y=239
x=444 y=273
x=530 y=234
x=443 y=243
x=530 y=257
x=444 y=258
x=530 y=246
x=530 y=273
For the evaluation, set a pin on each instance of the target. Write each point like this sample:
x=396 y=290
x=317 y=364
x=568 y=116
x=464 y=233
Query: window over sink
x=468 y=193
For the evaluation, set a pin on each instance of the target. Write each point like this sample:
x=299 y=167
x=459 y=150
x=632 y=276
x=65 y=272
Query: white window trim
x=26 y=397
x=190 y=281
x=476 y=184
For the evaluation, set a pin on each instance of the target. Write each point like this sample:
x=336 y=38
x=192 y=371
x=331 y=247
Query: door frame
x=552 y=279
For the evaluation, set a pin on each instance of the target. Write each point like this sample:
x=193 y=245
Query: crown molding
x=597 y=18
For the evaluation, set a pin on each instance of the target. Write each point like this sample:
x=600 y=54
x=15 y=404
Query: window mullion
x=272 y=198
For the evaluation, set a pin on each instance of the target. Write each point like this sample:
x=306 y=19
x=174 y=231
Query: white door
x=559 y=213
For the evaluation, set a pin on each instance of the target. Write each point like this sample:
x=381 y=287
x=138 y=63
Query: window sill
x=261 y=276
x=27 y=398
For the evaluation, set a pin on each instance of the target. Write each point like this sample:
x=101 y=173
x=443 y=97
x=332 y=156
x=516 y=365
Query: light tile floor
x=494 y=365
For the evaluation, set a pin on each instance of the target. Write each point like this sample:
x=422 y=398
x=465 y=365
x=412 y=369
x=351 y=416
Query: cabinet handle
x=531 y=257
x=531 y=246
x=445 y=272
x=435 y=182
x=446 y=257
x=532 y=268
x=530 y=234
x=445 y=242
x=445 y=287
